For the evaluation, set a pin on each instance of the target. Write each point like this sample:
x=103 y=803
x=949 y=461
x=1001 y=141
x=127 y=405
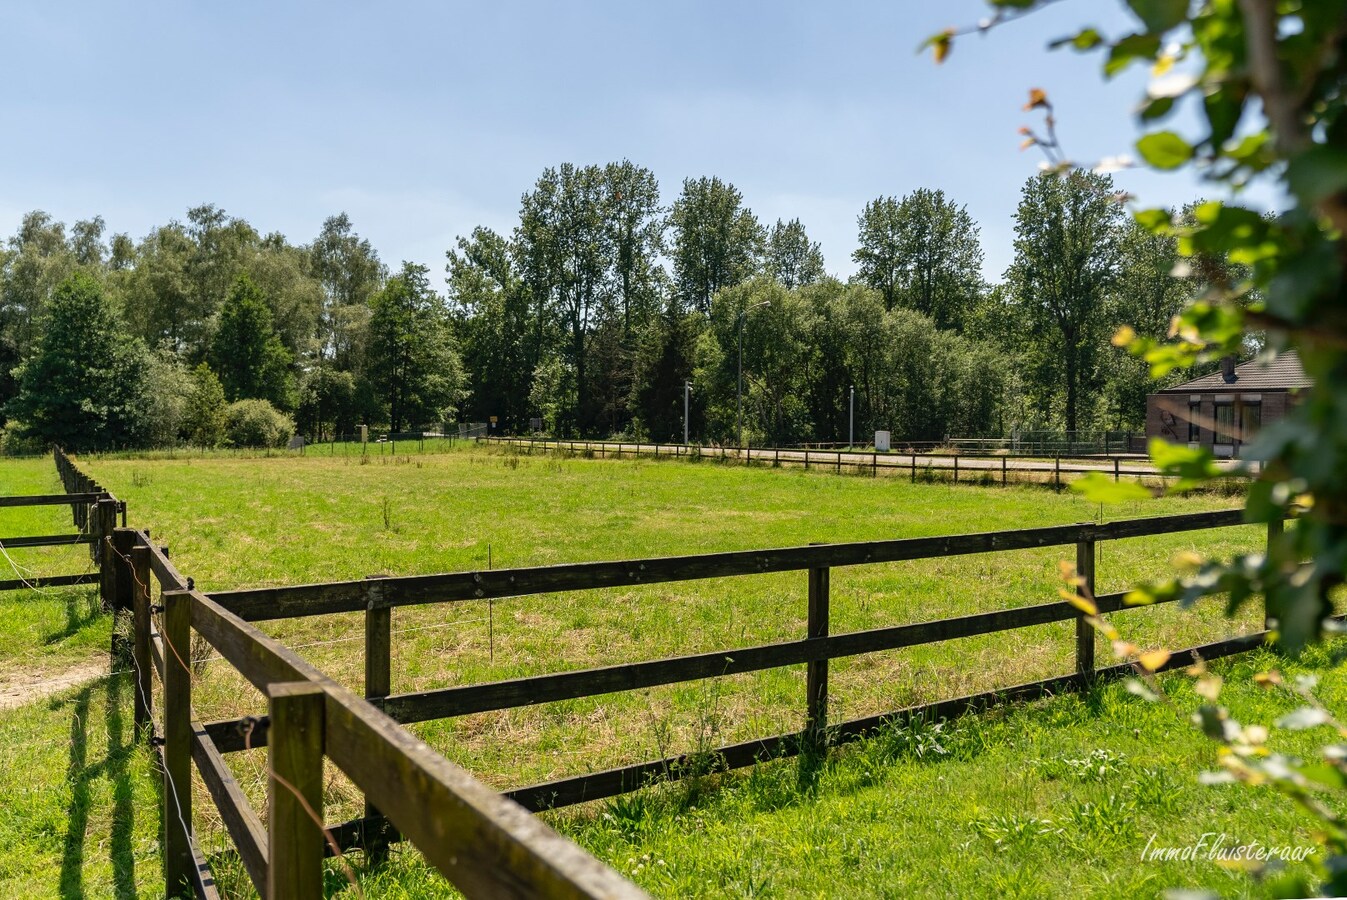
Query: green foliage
x=717 y=241
x=790 y=257
x=169 y=387
x=256 y=423
x=413 y=364
x=1066 y=258
x=246 y=352
x=921 y=252
x=330 y=402
x=496 y=326
x=85 y=385
x=204 y=422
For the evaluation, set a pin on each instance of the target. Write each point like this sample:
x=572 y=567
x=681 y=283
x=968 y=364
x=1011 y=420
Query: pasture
x=241 y=522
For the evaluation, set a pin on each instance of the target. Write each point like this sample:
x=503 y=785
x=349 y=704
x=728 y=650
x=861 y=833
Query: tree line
x=593 y=315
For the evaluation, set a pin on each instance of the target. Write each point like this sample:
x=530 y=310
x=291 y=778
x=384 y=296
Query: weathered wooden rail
x=486 y=842
x=93 y=511
x=973 y=468
x=379 y=597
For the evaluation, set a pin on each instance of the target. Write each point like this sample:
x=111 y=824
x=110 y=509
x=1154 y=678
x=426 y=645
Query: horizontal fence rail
x=258 y=604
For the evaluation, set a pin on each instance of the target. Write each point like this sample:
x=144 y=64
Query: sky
x=422 y=120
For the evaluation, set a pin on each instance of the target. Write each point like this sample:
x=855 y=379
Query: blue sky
x=425 y=119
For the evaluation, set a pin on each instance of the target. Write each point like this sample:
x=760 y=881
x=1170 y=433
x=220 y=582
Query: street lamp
x=739 y=392
x=851 y=420
x=687 y=389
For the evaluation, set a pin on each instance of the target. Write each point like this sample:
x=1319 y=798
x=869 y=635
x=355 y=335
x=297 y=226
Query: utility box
x=882 y=441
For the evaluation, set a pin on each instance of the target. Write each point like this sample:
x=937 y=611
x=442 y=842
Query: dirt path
x=20 y=687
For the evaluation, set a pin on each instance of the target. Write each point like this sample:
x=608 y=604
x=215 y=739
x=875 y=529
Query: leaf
x=1324 y=774
x=1130 y=49
x=1317 y=173
x=1216 y=723
x=1152 y=660
x=1084 y=604
x=1268 y=679
x=1098 y=487
x=1160 y=15
x=1153 y=108
x=1300 y=719
x=1191 y=465
x=1085 y=39
x=1037 y=98
x=1164 y=150
x=940 y=44
x=1122 y=649
x=1156 y=221
x=1138 y=597
x=1171 y=86
x=1208 y=687
x=1141 y=689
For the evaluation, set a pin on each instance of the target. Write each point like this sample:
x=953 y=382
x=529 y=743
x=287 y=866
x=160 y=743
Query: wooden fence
x=94 y=513
x=379 y=597
x=972 y=467
x=483 y=841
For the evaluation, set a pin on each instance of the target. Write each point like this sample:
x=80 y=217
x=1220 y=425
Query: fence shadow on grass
x=82 y=609
x=80 y=776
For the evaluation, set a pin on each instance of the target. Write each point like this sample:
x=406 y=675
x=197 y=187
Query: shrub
x=204 y=416
x=256 y=423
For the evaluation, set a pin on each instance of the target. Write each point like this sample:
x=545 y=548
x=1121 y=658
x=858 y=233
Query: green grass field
x=879 y=817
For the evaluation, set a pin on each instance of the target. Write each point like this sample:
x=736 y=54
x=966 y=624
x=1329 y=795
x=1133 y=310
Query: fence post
x=177 y=632
x=378 y=684
x=914 y=466
x=874 y=464
x=123 y=539
x=1003 y=471
x=105 y=522
x=816 y=672
x=1084 y=632
x=1057 y=472
x=140 y=641
x=295 y=791
x=956 y=468
x=1275 y=527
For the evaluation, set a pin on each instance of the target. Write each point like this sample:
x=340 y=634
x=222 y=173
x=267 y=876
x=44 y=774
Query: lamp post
x=687 y=389
x=851 y=420
x=739 y=391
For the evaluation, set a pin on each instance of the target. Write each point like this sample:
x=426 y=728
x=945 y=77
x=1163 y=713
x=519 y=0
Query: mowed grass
x=877 y=818
x=78 y=800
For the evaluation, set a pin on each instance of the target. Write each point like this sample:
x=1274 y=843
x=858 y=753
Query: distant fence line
x=970 y=468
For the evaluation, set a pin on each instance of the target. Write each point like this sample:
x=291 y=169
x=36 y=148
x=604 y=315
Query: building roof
x=1280 y=374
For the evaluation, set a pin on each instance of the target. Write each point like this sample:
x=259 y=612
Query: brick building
x=1225 y=409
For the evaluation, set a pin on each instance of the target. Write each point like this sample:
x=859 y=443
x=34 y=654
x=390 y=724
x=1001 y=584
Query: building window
x=1251 y=420
x=1224 y=430
x=1194 y=421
